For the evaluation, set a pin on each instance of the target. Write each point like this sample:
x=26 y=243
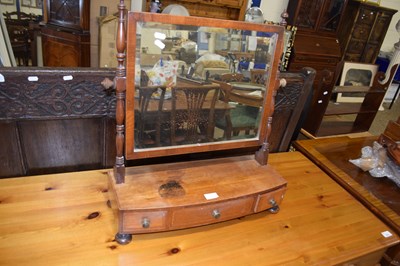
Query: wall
x=112 y=7
x=392 y=36
x=273 y=9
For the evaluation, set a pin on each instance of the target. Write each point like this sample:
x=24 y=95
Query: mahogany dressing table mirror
x=163 y=109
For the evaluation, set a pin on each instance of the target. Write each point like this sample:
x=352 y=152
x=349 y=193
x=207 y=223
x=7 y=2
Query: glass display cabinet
x=321 y=16
x=172 y=97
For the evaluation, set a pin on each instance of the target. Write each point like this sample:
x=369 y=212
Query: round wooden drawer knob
x=216 y=214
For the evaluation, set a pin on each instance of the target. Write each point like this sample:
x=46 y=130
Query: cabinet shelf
x=335 y=127
x=353 y=89
x=347 y=108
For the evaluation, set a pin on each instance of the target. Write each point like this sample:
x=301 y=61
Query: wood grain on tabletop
x=64 y=219
x=333 y=155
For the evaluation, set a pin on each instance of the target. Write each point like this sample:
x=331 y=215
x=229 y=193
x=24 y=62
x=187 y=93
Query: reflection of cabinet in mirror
x=165 y=197
x=66 y=36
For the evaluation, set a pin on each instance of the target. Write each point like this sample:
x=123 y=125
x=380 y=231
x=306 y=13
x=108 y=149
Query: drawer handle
x=216 y=214
x=145 y=222
x=275 y=207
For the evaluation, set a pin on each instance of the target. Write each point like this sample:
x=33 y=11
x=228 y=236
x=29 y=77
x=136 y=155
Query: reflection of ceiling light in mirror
x=160 y=35
x=159 y=44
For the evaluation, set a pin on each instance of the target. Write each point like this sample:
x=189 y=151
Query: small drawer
x=361 y=32
x=213 y=212
x=356 y=46
x=352 y=57
x=146 y=221
x=268 y=200
x=316 y=59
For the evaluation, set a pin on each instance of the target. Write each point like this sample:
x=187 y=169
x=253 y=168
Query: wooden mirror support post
x=120 y=87
x=163 y=197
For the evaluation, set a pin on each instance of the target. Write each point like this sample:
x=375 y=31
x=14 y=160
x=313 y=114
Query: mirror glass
x=197 y=85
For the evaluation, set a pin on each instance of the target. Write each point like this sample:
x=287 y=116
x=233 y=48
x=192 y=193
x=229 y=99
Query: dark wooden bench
x=62 y=120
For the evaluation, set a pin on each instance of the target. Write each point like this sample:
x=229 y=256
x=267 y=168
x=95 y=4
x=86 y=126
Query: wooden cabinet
x=363 y=30
x=222 y=9
x=342 y=31
x=319 y=17
x=320 y=53
x=65 y=48
x=66 y=36
x=315 y=44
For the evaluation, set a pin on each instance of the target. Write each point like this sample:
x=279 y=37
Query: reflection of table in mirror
x=247 y=93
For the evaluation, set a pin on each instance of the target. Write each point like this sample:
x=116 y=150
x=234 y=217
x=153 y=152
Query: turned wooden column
x=120 y=86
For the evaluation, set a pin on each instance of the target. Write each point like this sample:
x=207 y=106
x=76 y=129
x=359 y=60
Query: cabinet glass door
x=308 y=14
x=331 y=15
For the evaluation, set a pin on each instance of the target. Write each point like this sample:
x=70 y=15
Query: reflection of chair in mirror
x=258 y=76
x=240 y=117
x=192 y=114
x=148 y=117
x=230 y=77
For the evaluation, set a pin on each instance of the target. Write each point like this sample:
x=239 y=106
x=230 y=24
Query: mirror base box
x=165 y=197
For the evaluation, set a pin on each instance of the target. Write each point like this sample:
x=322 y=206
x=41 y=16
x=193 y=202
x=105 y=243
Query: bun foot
x=123 y=239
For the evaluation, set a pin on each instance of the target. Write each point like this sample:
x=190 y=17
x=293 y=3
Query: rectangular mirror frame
x=268 y=105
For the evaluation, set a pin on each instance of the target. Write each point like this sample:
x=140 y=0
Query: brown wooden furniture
x=195 y=123
x=65 y=48
x=316 y=44
x=55 y=121
x=328 y=120
x=221 y=9
x=65 y=219
x=363 y=30
x=257 y=76
x=343 y=31
x=26 y=135
x=19 y=27
x=183 y=195
x=244 y=111
x=157 y=116
x=380 y=195
x=390 y=139
x=291 y=106
x=66 y=35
